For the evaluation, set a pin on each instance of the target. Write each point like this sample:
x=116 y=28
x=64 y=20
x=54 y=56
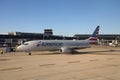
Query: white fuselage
x=62 y=45
x=52 y=45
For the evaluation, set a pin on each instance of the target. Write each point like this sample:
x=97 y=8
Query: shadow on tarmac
x=105 y=52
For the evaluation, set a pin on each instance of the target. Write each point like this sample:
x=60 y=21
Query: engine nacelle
x=64 y=50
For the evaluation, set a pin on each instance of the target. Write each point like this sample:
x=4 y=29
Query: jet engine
x=65 y=50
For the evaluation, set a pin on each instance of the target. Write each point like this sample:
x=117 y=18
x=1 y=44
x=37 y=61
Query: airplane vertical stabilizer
x=94 y=37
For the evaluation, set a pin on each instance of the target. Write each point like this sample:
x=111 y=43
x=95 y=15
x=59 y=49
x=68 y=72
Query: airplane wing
x=78 y=47
x=67 y=49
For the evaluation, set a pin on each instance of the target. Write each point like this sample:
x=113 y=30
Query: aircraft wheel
x=29 y=53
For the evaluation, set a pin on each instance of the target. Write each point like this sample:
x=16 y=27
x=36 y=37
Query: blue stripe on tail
x=96 y=32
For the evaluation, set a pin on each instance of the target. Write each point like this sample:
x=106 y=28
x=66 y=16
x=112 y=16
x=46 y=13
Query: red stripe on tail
x=93 y=43
x=93 y=38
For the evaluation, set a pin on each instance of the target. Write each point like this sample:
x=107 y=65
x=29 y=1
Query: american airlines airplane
x=63 y=46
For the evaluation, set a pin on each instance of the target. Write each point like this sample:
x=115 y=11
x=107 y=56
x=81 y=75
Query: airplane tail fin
x=94 y=37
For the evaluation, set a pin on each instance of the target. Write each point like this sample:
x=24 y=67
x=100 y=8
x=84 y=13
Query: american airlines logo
x=93 y=40
x=49 y=44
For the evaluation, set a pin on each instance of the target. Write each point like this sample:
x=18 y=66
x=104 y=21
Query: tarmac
x=95 y=63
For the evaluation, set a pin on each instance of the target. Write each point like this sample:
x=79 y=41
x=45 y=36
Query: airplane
x=63 y=46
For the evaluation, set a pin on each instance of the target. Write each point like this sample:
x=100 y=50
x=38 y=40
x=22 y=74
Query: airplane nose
x=22 y=48
x=18 y=48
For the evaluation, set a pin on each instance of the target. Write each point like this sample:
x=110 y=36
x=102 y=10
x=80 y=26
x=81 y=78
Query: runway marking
x=11 y=69
x=111 y=58
x=94 y=60
x=112 y=65
x=47 y=64
x=74 y=62
x=4 y=59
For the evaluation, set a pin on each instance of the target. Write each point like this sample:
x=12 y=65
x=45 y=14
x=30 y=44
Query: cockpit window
x=25 y=43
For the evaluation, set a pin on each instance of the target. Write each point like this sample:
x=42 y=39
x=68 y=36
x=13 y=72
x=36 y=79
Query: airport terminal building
x=17 y=38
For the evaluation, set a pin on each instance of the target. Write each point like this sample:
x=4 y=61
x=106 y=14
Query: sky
x=65 y=17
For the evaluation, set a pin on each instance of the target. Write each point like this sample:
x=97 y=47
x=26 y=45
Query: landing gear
x=29 y=53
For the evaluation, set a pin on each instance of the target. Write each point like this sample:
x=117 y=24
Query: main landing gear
x=29 y=53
